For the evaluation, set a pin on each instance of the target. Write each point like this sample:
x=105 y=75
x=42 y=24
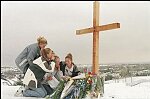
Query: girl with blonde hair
x=30 y=53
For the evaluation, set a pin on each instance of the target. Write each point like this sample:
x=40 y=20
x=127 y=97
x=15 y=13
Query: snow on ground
x=112 y=89
x=7 y=92
x=120 y=90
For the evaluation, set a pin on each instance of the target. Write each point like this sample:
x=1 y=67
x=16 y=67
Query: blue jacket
x=26 y=57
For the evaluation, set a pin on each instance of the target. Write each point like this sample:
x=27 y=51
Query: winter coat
x=74 y=72
x=36 y=72
x=26 y=57
x=56 y=78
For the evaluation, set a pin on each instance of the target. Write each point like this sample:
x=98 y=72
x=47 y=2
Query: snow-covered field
x=122 y=90
x=7 y=92
x=113 y=89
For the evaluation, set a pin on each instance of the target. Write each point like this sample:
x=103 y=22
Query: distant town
x=117 y=71
x=110 y=71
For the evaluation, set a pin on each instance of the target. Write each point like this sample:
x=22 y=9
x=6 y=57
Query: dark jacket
x=38 y=71
x=75 y=69
x=26 y=57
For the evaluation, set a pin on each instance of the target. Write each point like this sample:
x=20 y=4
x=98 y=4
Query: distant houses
x=111 y=71
x=116 y=71
x=10 y=72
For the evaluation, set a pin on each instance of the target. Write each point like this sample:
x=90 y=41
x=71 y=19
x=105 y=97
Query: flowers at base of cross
x=89 y=81
x=79 y=87
x=57 y=93
x=85 y=86
x=92 y=89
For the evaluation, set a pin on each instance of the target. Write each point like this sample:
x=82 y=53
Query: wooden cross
x=95 y=29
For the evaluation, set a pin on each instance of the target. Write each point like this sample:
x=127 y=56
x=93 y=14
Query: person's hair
x=41 y=40
x=53 y=52
x=69 y=56
x=44 y=53
x=56 y=57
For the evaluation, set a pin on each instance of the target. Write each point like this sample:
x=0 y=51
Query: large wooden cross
x=95 y=29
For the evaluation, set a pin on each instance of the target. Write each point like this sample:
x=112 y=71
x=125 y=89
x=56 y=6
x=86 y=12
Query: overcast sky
x=22 y=22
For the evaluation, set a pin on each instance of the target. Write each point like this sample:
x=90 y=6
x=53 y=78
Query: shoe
x=19 y=92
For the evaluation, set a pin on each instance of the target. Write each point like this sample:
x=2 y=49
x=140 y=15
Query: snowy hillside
x=7 y=92
x=121 y=90
x=113 y=89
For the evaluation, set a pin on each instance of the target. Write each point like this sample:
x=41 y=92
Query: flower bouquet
x=86 y=85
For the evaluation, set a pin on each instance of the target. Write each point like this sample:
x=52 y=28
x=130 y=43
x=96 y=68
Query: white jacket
x=29 y=76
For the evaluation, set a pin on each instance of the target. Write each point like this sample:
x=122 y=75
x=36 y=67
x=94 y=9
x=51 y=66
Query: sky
x=22 y=22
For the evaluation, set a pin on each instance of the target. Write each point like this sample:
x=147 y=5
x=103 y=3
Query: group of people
x=42 y=69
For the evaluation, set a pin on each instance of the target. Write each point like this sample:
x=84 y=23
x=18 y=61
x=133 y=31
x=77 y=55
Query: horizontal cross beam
x=98 y=28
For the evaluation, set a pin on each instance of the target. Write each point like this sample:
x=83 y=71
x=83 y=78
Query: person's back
x=35 y=74
x=30 y=53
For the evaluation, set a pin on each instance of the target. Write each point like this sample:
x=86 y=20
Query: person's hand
x=53 y=58
x=66 y=77
x=79 y=73
x=49 y=78
x=58 y=67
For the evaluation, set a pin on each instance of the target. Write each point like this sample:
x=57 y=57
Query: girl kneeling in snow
x=35 y=73
x=68 y=67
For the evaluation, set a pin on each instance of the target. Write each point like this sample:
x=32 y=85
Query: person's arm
x=47 y=77
x=31 y=56
x=60 y=73
x=51 y=67
x=75 y=71
x=76 y=68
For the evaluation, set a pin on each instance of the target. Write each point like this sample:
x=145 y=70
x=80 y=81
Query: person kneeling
x=68 y=67
x=53 y=79
x=35 y=73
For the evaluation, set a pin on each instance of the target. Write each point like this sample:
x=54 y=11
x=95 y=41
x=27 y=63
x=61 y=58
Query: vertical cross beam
x=95 y=68
x=95 y=29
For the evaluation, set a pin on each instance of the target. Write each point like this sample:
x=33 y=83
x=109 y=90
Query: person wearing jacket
x=35 y=74
x=51 y=80
x=30 y=53
x=68 y=67
x=57 y=73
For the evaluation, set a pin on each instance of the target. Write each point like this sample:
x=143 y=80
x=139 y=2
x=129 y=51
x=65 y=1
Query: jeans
x=48 y=89
x=35 y=92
